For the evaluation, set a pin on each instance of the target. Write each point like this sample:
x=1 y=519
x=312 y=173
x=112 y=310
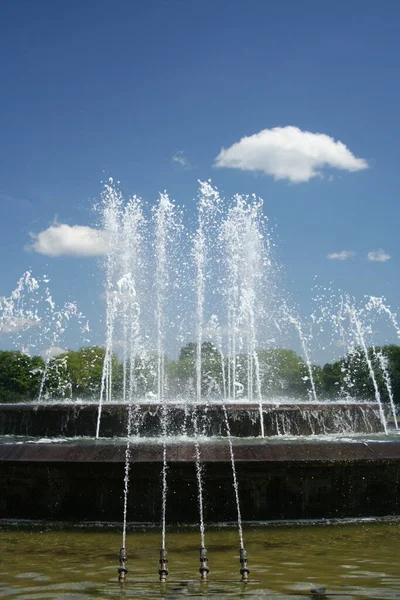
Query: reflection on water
x=351 y=561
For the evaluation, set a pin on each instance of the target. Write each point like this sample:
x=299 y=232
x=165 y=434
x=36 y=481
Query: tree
x=188 y=351
x=79 y=373
x=20 y=376
x=283 y=372
x=183 y=376
x=392 y=352
x=332 y=379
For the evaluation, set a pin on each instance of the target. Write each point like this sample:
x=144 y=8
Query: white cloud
x=180 y=159
x=119 y=344
x=69 y=240
x=53 y=351
x=289 y=153
x=378 y=255
x=13 y=324
x=341 y=344
x=343 y=255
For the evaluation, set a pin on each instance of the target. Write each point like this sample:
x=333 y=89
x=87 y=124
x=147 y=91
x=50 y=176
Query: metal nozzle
x=204 y=570
x=244 y=570
x=163 y=571
x=122 y=570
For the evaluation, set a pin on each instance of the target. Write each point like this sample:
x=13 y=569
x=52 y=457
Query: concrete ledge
x=304 y=478
x=277 y=452
x=268 y=490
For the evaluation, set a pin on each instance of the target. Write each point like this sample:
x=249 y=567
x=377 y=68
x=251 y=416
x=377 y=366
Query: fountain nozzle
x=163 y=571
x=204 y=570
x=244 y=570
x=122 y=570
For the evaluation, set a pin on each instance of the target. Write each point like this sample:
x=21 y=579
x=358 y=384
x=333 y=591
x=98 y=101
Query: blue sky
x=98 y=88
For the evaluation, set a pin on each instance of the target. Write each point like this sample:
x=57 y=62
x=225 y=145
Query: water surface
x=351 y=560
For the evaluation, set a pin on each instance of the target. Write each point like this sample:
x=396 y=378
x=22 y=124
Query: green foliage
x=392 y=352
x=332 y=376
x=182 y=372
x=20 y=376
x=188 y=352
x=78 y=374
x=145 y=369
x=282 y=373
x=351 y=376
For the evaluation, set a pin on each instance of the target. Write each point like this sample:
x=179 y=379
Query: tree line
x=277 y=372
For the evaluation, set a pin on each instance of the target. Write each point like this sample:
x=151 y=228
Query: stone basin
x=52 y=468
x=80 y=419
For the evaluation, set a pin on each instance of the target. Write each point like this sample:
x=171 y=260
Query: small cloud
x=223 y=331
x=343 y=255
x=13 y=324
x=378 y=255
x=119 y=344
x=289 y=153
x=341 y=344
x=69 y=240
x=180 y=159
x=53 y=351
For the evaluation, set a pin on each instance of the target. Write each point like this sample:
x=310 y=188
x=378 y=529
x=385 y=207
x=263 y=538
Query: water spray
x=163 y=570
x=204 y=570
x=122 y=570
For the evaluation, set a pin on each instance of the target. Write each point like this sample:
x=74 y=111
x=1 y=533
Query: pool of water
x=353 y=560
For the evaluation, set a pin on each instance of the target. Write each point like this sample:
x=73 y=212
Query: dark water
x=352 y=560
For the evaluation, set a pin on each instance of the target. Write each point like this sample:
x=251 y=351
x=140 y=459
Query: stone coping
x=298 y=452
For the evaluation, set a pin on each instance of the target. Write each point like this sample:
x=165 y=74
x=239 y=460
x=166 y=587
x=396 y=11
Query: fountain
x=206 y=437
